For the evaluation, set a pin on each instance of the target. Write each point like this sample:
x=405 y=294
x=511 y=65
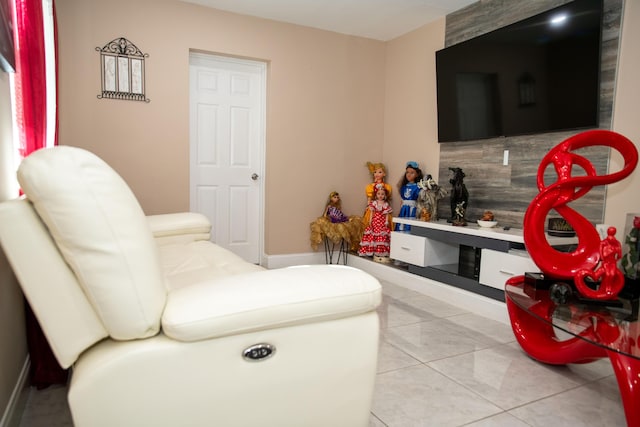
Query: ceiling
x=376 y=19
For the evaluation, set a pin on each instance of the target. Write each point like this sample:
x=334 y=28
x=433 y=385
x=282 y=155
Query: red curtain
x=31 y=115
x=30 y=78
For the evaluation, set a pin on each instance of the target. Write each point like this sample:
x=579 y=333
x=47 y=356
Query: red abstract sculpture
x=592 y=258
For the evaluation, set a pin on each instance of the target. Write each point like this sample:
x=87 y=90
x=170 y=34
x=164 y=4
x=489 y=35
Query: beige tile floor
x=442 y=366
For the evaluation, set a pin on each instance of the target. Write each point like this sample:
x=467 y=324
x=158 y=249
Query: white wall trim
x=280 y=261
x=18 y=400
x=472 y=302
x=475 y=303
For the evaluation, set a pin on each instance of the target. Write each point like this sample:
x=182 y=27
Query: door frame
x=262 y=71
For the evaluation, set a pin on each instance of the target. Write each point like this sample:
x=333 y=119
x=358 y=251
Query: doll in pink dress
x=377 y=236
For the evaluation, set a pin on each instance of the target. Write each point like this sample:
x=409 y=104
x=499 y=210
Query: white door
x=227 y=122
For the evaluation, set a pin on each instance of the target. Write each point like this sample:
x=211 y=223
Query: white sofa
x=164 y=328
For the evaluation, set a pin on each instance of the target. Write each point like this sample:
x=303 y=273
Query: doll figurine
x=377 y=235
x=336 y=226
x=379 y=173
x=333 y=211
x=430 y=194
x=459 y=197
x=409 y=191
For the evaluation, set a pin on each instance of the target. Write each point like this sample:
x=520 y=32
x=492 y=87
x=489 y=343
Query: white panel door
x=227 y=110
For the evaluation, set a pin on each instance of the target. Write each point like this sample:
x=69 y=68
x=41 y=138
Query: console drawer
x=408 y=248
x=496 y=267
x=422 y=251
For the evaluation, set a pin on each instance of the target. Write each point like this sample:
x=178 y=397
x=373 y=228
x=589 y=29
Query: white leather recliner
x=164 y=328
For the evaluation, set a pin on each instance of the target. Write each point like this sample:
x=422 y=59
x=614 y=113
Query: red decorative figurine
x=594 y=330
x=593 y=259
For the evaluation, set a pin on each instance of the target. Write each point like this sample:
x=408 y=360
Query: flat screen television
x=538 y=75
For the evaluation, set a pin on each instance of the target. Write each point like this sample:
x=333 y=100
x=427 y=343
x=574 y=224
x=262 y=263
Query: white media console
x=469 y=257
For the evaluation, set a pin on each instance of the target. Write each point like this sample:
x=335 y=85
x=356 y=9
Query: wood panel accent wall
x=508 y=190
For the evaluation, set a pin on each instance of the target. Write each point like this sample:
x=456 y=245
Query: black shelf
x=462 y=239
x=449 y=274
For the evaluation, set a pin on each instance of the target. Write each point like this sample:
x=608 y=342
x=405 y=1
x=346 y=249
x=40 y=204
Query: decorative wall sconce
x=526 y=90
x=122 y=71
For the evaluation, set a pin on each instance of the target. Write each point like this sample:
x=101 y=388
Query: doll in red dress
x=377 y=236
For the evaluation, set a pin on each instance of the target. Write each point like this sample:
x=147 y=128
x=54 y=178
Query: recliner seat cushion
x=244 y=303
x=102 y=233
x=201 y=261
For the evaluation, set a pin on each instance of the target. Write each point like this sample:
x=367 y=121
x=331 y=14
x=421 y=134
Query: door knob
x=254 y=176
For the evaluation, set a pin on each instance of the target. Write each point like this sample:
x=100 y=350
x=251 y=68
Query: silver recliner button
x=258 y=352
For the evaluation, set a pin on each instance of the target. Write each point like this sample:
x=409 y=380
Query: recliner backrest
x=103 y=235
x=64 y=313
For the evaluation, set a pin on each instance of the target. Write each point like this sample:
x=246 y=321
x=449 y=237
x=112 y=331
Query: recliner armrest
x=268 y=299
x=182 y=227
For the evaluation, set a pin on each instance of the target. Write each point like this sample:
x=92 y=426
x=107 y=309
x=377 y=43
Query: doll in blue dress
x=409 y=191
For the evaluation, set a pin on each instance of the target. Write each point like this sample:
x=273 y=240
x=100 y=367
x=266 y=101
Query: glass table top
x=611 y=325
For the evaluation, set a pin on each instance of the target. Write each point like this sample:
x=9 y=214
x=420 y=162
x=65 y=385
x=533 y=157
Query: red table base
x=538 y=340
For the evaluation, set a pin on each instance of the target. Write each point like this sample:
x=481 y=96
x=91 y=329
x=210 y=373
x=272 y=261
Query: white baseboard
x=475 y=303
x=280 y=261
x=18 y=400
x=465 y=300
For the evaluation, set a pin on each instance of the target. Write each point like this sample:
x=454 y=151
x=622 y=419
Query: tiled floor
x=441 y=366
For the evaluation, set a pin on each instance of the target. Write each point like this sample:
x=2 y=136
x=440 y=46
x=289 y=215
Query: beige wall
x=324 y=112
x=13 y=339
x=334 y=102
x=327 y=116
x=411 y=115
x=624 y=197
x=13 y=342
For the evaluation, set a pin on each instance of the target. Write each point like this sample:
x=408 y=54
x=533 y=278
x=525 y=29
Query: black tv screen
x=538 y=75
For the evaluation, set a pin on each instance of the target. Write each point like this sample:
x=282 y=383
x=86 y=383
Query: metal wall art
x=122 y=71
